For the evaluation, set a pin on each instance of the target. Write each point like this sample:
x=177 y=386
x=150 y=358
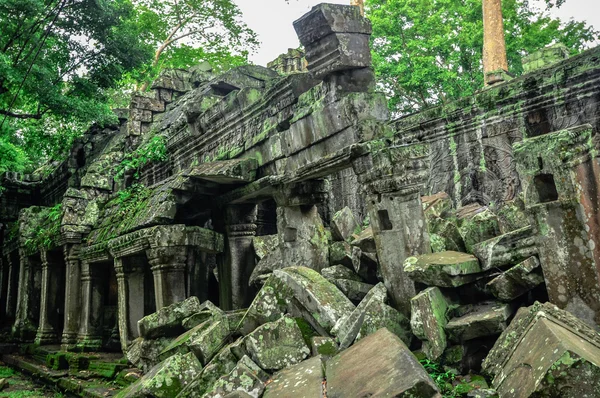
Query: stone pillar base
x=24 y=332
x=89 y=343
x=46 y=337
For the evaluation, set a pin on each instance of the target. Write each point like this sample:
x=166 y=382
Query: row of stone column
x=61 y=290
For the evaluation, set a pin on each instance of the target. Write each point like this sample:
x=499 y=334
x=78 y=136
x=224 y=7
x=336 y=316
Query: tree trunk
x=359 y=3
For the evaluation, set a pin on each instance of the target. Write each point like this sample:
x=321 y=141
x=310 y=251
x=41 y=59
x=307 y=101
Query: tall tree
x=428 y=52
x=57 y=59
x=185 y=32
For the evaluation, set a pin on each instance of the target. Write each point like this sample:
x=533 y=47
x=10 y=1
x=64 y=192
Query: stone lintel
x=327 y=165
x=226 y=172
x=166 y=236
x=256 y=191
x=301 y=194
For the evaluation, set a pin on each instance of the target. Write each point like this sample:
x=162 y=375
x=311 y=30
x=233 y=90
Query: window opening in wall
x=384 y=220
x=546 y=188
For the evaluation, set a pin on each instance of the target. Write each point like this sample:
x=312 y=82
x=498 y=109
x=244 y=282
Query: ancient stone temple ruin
x=275 y=232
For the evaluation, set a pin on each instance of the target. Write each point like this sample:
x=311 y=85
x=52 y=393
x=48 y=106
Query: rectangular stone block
x=429 y=317
x=517 y=281
x=146 y=103
x=379 y=365
x=546 y=352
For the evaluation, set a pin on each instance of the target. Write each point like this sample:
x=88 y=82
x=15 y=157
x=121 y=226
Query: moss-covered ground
x=20 y=386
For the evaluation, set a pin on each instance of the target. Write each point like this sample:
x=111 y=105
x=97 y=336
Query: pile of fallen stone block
x=333 y=333
x=287 y=343
x=483 y=268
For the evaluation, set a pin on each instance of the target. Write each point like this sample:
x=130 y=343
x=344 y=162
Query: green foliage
x=187 y=32
x=45 y=233
x=57 y=60
x=427 y=52
x=12 y=157
x=6 y=372
x=155 y=150
x=129 y=200
x=12 y=232
x=450 y=385
x=442 y=378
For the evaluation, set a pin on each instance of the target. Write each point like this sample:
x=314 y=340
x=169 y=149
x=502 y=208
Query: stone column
x=12 y=289
x=90 y=331
x=239 y=263
x=3 y=288
x=72 y=296
x=168 y=269
x=47 y=331
x=198 y=273
x=562 y=198
x=25 y=327
x=393 y=179
x=130 y=279
x=494 y=46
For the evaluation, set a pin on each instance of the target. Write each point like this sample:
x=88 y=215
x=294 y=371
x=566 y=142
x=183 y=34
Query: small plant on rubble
x=155 y=150
x=442 y=378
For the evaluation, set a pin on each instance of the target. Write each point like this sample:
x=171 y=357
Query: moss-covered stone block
x=168 y=320
x=166 y=379
x=445 y=269
x=319 y=297
x=276 y=345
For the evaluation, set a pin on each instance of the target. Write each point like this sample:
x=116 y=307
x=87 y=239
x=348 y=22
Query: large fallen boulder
x=349 y=326
x=517 y=281
x=223 y=363
x=144 y=353
x=303 y=380
x=168 y=320
x=477 y=224
x=429 y=316
x=271 y=303
x=277 y=345
x=264 y=245
x=270 y=262
x=379 y=315
x=444 y=269
x=319 y=297
x=364 y=240
x=507 y=249
x=546 y=352
x=354 y=290
x=166 y=379
x=205 y=340
x=474 y=321
x=247 y=377
x=379 y=365
x=343 y=224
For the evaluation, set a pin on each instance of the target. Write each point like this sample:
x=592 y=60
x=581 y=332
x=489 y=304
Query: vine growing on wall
x=155 y=150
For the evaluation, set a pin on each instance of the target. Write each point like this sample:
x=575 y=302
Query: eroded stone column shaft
x=90 y=332
x=72 y=295
x=241 y=227
x=168 y=268
x=494 y=45
x=25 y=326
x=12 y=288
x=51 y=284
